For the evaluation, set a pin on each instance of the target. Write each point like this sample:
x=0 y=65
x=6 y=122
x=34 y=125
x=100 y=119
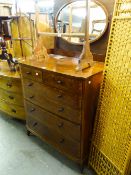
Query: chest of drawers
x=60 y=106
x=11 y=95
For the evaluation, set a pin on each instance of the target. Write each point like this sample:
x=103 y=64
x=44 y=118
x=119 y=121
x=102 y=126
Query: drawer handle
x=32 y=110
x=61 y=109
x=62 y=140
x=11 y=97
x=35 y=124
x=59 y=96
x=13 y=110
x=59 y=82
x=30 y=84
x=9 y=85
x=28 y=73
x=31 y=97
x=61 y=124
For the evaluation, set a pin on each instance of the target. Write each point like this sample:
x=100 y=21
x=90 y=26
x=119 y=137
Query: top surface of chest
x=37 y=67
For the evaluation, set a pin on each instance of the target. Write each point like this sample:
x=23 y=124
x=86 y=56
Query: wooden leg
x=81 y=168
x=28 y=132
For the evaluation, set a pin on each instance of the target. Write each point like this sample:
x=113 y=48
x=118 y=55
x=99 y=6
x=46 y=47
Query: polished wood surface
x=11 y=96
x=52 y=66
x=52 y=121
x=61 y=104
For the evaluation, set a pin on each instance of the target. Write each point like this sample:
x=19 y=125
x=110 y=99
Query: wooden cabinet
x=60 y=106
x=11 y=96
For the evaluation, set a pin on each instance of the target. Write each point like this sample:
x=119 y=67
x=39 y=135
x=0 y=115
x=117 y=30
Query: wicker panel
x=111 y=144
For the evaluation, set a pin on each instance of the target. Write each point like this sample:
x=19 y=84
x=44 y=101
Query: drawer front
x=31 y=73
x=61 y=110
x=62 y=143
x=13 y=110
x=37 y=91
x=62 y=126
x=11 y=97
x=10 y=84
x=60 y=81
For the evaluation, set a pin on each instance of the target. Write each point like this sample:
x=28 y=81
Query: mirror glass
x=71 y=19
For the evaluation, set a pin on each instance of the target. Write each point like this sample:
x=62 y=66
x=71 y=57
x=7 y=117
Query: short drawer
x=31 y=73
x=13 y=110
x=11 y=84
x=63 y=82
x=62 y=143
x=11 y=97
x=35 y=91
x=62 y=126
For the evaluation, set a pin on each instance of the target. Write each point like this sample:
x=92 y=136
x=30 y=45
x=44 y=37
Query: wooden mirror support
x=85 y=59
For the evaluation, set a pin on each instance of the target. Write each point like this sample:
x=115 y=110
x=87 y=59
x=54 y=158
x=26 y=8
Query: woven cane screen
x=111 y=142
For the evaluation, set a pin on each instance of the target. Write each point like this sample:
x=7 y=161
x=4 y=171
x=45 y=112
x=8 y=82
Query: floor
x=23 y=155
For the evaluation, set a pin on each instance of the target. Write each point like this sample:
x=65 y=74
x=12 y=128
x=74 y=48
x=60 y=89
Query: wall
x=99 y=47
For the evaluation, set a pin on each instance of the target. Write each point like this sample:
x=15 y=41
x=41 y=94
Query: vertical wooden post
x=86 y=57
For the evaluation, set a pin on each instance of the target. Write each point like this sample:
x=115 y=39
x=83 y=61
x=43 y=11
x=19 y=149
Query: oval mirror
x=71 y=19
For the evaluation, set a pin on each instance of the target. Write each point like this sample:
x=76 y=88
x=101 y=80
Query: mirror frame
x=99 y=4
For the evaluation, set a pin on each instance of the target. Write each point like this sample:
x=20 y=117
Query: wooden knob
x=35 y=124
x=59 y=96
x=61 y=109
x=13 y=110
x=32 y=96
x=62 y=140
x=61 y=124
x=59 y=82
x=30 y=84
x=32 y=110
x=28 y=73
x=11 y=97
x=9 y=85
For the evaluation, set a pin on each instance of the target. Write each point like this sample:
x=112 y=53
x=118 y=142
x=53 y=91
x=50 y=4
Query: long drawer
x=35 y=91
x=61 y=142
x=12 y=110
x=63 y=82
x=33 y=74
x=10 y=84
x=63 y=111
x=62 y=126
x=12 y=98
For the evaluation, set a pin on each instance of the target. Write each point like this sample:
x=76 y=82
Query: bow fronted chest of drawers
x=11 y=95
x=60 y=106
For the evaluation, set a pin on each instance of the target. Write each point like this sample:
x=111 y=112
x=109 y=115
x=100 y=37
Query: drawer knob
x=9 y=85
x=59 y=96
x=30 y=84
x=35 y=124
x=59 y=82
x=13 y=110
x=11 y=97
x=28 y=73
x=61 y=124
x=32 y=96
x=61 y=109
x=32 y=110
x=62 y=140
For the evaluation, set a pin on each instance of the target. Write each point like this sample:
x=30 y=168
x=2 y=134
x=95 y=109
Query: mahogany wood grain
x=75 y=111
x=66 y=128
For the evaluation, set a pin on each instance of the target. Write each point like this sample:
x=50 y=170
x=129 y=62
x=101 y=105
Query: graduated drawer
x=61 y=110
x=62 y=126
x=31 y=73
x=12 y=110
x=63 y=82
x=11 y=84
x=35 y=91
x=62 y=143
x=11 y=97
